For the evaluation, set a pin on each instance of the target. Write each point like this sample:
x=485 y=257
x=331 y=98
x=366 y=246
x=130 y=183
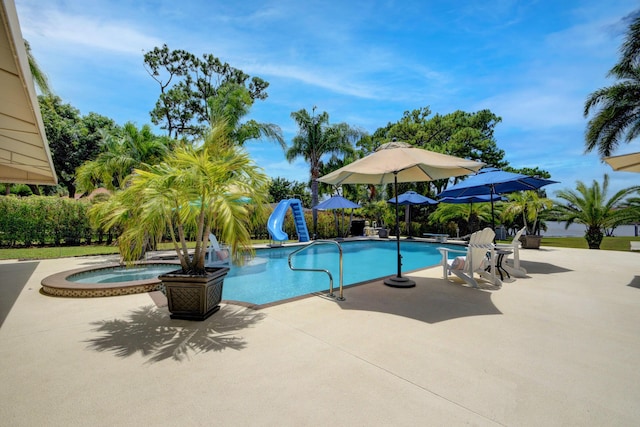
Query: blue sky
x=363 y=62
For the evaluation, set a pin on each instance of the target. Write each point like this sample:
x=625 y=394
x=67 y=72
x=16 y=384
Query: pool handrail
x=317 y=242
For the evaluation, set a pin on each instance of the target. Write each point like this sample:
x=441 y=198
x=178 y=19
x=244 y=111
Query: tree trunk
x=72 y=190
x=314 y=199
x=35 y=189
x=594 y=237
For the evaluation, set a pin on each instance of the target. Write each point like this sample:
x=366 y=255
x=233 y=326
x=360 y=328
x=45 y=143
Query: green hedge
x=52 y=220
x=40 y=220
x=326 y=225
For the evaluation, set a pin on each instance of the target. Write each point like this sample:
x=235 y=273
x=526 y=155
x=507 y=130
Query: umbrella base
x=399 y=282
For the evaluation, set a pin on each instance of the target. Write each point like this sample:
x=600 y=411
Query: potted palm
x=193 y=191
x=530 y=205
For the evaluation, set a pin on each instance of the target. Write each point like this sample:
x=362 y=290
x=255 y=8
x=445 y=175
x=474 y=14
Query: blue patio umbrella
x=481 y=198
x=412 y=198
x=409 y=198
x=491 y=181
x=337 y=202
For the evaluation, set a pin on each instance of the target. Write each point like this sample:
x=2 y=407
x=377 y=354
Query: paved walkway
x=559 y=347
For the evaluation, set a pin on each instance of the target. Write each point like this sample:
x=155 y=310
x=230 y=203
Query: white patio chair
x=478 y=258
x=515 y=270
x=217 y=255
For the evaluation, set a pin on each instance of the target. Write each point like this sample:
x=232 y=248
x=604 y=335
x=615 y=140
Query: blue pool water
x=122 y=273
x=267 y=278
x=270 y=281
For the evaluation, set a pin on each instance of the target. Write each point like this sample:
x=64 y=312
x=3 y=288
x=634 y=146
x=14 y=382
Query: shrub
x=43 y=220
x=326 y=225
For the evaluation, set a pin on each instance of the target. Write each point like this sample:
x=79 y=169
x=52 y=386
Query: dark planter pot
x=530 y=241
x=384 y=233
x=193 y=297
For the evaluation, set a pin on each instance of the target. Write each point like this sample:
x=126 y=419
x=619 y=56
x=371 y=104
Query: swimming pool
x=363 y=260
x=264 y=279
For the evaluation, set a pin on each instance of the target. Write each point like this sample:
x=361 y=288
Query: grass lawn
x=56 y=252
x=608 y=243
x=75 y=251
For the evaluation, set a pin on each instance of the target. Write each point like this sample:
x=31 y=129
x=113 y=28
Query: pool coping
x=57 y=284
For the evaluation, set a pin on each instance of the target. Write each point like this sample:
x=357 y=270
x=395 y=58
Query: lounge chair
x=473 y=260
x=217 y=256
x=516 y=270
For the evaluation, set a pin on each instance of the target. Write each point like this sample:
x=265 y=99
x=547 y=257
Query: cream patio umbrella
x=400 y=162
x=625 y=162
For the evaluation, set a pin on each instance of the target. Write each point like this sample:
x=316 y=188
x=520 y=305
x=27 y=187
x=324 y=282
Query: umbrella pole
x=493 y=219
x=398 y=281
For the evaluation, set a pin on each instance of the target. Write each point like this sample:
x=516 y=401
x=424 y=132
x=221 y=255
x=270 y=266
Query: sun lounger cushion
x=458 y=263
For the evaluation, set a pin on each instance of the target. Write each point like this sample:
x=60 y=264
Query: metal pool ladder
x=318 y=242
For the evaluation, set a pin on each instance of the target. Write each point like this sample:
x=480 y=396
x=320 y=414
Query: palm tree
x=469 y=214
x=316 y=138
x=618 y=115
x=39 y=77
x=233 y=102
x=194 y=191
x=630 y=52
x=122 y=152
x=530 y=204
x=354 y=192
x=590 y=206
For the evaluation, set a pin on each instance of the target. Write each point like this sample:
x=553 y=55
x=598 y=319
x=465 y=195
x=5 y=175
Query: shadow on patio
x=431 y=300
x=150 y=332
x=635 y=282
x=542 y=268
x=13 y=277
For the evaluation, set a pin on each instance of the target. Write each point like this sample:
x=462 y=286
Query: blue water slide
x=276 y=221
x=299 y=221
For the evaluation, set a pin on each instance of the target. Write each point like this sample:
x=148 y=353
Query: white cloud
x=536 y=108
x=67 y=31
x=371 y=81
x=319 y=78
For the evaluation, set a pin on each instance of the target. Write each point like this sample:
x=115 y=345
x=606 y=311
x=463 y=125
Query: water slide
x=276 y=221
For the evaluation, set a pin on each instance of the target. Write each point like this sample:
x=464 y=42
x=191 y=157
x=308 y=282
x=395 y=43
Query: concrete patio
x=555 y=348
